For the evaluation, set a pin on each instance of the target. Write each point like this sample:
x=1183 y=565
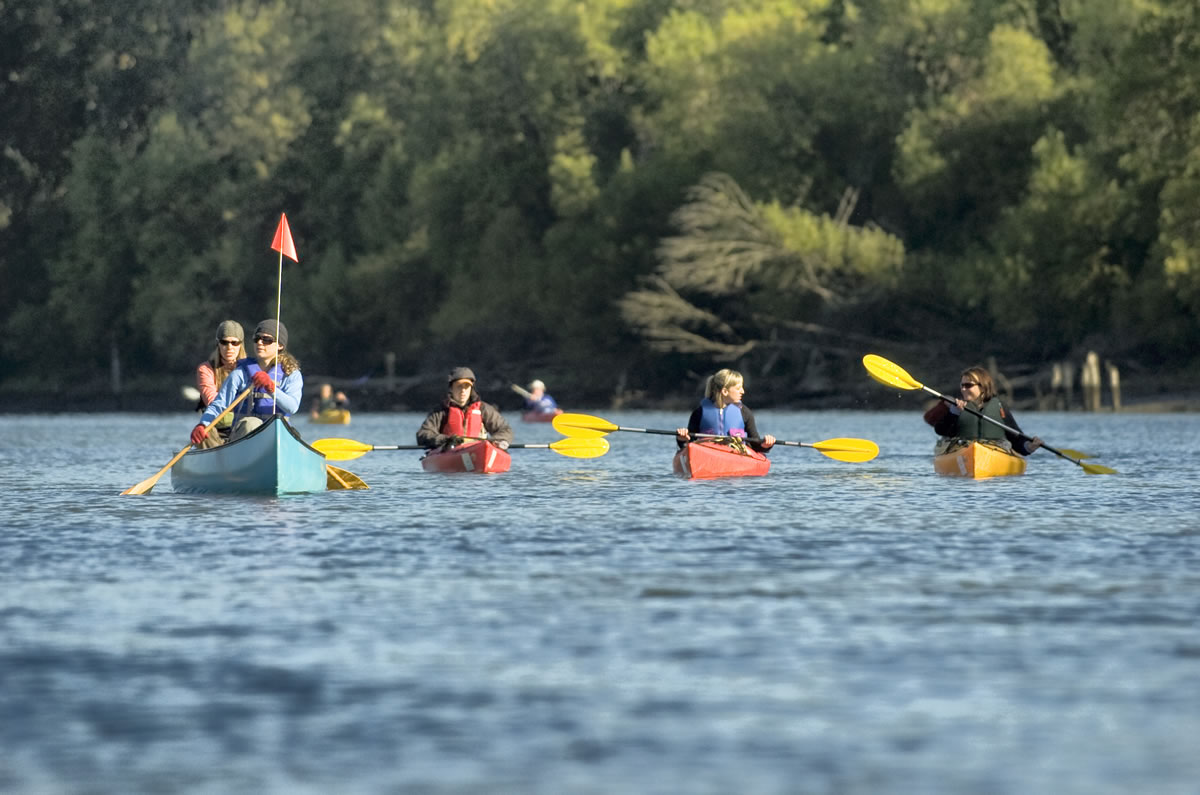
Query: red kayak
x=540 y=416
x=702 y=460
x=479 y=458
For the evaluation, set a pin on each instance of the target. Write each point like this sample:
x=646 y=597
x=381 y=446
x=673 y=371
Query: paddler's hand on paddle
x=768 y=442
x=263 y=381
x=198 y=434
x=502 y=445
x=682 y=435
x=1033 y=444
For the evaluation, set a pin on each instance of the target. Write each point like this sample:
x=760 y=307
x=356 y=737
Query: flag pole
x=287 y=248
x=278 y=304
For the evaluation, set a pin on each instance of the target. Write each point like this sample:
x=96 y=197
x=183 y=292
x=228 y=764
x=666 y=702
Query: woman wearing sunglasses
x=978 y=392
x=211 y=374
x=275 y=375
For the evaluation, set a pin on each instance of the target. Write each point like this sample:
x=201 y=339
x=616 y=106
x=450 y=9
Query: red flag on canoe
x=283 y=240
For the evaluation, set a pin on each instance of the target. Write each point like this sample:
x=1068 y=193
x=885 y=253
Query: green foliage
x=735 y=264
x=467 y=179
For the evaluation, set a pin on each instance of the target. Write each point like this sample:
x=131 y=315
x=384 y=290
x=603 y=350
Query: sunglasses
x=265 y=340
x=968 y=384
x=229 y=342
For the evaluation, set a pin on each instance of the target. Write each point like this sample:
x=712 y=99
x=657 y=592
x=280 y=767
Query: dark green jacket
x=968 y=426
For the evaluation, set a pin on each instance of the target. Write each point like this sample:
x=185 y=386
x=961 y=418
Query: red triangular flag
x=283 y=239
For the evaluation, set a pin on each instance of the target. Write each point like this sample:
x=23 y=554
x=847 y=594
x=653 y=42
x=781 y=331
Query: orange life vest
x=466 y=421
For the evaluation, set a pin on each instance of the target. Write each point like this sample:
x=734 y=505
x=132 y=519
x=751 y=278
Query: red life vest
x=467 y=421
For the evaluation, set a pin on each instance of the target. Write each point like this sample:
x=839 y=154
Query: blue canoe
x=271 y=459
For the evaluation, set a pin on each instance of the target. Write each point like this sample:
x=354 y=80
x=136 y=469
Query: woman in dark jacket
x=463 y=414
x=954 y=422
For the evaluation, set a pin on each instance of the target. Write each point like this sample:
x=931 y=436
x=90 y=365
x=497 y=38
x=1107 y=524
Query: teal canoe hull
x=272 y=459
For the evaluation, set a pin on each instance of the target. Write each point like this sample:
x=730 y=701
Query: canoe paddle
x=338 y=479
x=147 y=484
x=585 y=426
x=892 y=374
x=347 y=449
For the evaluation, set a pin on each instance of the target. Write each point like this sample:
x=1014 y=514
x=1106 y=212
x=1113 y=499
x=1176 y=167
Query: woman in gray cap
x=212 y=372
x=275 y=377
x=463 y=414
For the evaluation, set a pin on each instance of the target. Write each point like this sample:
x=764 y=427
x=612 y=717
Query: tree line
x=617 y=191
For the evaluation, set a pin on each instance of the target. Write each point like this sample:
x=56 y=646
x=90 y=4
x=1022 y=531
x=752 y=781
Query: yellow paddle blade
x=580 y=447
x=337 y=479
x=889 y=373
x=341 y=449
x=852 y=450
x=1074 y=453
x=1096 y=469
x=583 y=426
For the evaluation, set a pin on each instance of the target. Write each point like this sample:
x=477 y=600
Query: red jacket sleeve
x=937 y=413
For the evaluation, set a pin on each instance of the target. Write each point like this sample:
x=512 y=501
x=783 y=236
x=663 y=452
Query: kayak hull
x=978 y=460
x=476 y=458
x=706 y=460
x=271 y=459
x=331 y=417
x=540 y=416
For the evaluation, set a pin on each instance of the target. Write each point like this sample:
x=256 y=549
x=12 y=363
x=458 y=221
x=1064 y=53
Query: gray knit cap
x=275 y=329
x=230 y=328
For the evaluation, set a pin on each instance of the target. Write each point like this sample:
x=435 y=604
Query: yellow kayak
x=978 y=460
x=332 y=417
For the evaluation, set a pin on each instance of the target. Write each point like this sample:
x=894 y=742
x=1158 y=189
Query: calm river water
x=599 y=626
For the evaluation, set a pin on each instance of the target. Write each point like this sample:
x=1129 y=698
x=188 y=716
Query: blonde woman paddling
x=721 y=413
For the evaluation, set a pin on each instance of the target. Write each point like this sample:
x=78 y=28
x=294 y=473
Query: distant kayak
x=978 y=460
x=331 y=417
x=480 y=458
x=704 y=460
x=540 y=416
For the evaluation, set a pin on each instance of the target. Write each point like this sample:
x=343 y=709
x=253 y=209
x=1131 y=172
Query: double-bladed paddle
x=347 y=449
x=148 y=483
x=585 y=426
x=892 y=374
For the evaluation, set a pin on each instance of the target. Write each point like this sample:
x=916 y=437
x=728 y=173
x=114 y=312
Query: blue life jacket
x=722 y=422
x=261 y=402
x=542 y=405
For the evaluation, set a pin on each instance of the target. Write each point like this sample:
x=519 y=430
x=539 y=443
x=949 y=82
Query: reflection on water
x=601 y=626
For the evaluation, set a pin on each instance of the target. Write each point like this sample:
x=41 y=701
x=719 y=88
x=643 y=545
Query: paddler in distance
x=538 y=402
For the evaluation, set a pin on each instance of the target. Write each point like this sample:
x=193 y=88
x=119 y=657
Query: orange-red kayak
x=480 y=458
x=702 y=460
